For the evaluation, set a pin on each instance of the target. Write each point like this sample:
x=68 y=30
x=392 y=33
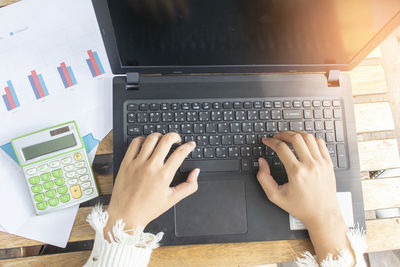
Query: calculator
x=56 y=167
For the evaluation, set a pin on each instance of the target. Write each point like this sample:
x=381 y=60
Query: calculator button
x=69 y=168
x=37 y=188
x=53 y=202
x=75 y=191
x=65 y=198
x=80 y=164
x=34 y=180
x=70 y=174
x=88 y=191
x=57 y=173
x=87 y=184
x=66 y=160
x=51 y=193
x=45 y=176
x=43 y=168
x=82 y=171
x=54 y=164
x=39 y=197
x=31 y=171
x=62 y=189
x=84 y=178
x=48 y=185
x=41 y=205
x=77 y=156
x=73 y=181
x=59 y=181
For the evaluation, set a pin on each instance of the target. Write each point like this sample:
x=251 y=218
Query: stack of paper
x=53 y=69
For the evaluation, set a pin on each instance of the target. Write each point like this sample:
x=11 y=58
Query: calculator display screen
x=48 y=147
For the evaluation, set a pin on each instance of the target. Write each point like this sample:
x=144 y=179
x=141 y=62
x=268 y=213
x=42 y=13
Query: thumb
x=186 y=188
x=267 y=182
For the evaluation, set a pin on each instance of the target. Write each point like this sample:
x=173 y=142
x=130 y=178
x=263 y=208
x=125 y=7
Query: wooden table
x=376 y=90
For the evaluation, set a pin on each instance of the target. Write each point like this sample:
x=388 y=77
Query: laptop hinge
x=132 y=81
x=333 y=77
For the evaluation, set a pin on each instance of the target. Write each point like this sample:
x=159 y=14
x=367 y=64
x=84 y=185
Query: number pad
x=63 y=181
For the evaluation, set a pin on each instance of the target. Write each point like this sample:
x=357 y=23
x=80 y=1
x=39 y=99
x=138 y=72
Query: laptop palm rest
x=217 y=208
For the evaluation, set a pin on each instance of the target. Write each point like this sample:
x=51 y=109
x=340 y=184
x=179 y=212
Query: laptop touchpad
x=217 y=208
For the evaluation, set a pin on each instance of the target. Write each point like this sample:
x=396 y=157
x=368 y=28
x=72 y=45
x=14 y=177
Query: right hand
x=310 y=194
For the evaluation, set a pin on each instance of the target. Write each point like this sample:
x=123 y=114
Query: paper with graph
x=53 y=69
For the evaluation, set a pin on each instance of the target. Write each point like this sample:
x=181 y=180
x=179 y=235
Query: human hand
x=310 y=194
x=142 y=189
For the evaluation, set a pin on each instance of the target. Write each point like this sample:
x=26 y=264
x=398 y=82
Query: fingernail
x=193 y=143
x=260 y=161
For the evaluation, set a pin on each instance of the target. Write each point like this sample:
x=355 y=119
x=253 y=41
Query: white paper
x=346 y=208
x=40 y=37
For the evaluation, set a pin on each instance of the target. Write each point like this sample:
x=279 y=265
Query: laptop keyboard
x=228 y=132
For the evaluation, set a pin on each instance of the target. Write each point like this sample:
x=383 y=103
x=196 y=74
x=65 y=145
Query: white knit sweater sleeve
x=345 y=258
x=127 y=247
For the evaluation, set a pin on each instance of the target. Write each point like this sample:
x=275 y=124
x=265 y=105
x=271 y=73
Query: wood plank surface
x=378 y=155
x=368 y=80
x=7 y=2
x=232 y=254
x=381 y=193
x=106 y=145
x=373 y=117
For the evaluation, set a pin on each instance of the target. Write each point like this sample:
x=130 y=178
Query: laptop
x=227 y=73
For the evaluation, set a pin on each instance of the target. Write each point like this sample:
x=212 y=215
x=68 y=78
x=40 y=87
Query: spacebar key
x=211 y=165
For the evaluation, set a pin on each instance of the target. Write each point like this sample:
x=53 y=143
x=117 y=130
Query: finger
x=284 y=153
x=297 y=141
x=267 y=182
x=323 y=149
x=149 y=145
x=133 y=149
x=311 y=143
x=186 y=188
x=164 y=146
x=178 y=156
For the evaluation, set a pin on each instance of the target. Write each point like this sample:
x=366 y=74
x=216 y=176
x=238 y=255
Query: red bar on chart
x=94 y=63
x=37 y=83
x=10 y=98
x=66 y=74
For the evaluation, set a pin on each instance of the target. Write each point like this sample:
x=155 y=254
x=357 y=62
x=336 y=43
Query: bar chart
x=94 y=63
x=67 y=75
x=38 y=85
x=10 y=97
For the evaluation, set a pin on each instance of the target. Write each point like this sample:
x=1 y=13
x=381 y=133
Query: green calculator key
x=41 y=205
x=51 y=193
x=53 y=202
x=45 y=176
x=39 y=197
x=62 y=189
x=34 y=180
x=65 y=198
x=37 y=188
x=59 y=181
x=57 y=173
x=48 y=185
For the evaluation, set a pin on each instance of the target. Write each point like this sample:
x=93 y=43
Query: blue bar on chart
x=94 y=63
x=10 y=97
x=67 y=75
x=38 y=86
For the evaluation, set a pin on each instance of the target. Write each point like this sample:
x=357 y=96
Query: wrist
x=129 y=225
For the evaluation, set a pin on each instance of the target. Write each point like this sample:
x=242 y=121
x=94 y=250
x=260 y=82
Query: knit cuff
x=127 y=247
x=345 y=258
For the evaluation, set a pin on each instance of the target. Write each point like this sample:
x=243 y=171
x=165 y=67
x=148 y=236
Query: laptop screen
x=245 y=32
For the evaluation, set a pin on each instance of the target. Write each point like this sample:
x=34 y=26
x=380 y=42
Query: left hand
x=142 y=189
